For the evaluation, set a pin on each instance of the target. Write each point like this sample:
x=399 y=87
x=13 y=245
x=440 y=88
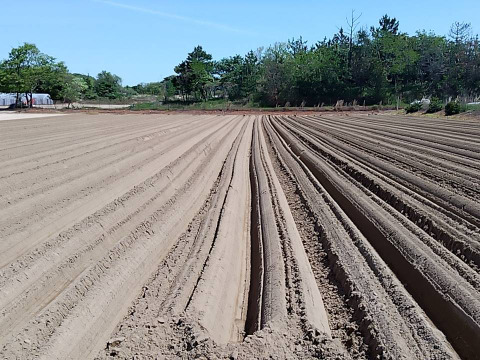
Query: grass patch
x=217 y=104
x=227 y=105
x=475 y=107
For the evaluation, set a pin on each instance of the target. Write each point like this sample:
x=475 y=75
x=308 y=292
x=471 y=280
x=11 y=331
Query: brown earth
x=145 y=236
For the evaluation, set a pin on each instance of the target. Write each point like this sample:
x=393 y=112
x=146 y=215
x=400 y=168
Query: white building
x=38 y=99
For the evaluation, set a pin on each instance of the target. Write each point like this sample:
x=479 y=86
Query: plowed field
x=336 y=236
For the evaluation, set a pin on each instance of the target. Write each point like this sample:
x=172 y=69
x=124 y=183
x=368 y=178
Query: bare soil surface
x=13 y=115
x=239 y=236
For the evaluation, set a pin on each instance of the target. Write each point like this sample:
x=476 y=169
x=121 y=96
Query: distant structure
x=38 y=99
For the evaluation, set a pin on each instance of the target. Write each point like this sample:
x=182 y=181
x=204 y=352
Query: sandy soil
x=335 y=236
x=13 y=115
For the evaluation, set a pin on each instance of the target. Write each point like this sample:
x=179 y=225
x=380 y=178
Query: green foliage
x=27 y=70
x=238 y=76
x=380 y=65
x=127 y=92
x=472 y=107
x=195 y=74
x=230 y=71
x=387 y=24
x=413 y=108
x=89 y=93
x=214 y=104
x=4 y=86
x=108 y=85
x=452 y=108
x=383 y=65
x=73 y=88
x=436 y=105
x=200 y=77
x=169 y=87
x=153 y=88
x=54 y=82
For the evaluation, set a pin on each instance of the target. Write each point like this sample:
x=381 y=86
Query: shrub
x=452 y=108
x=435 y=106
x=413 y=108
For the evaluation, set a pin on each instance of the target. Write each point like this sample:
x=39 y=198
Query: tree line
x=27 y=70
x=376 y=65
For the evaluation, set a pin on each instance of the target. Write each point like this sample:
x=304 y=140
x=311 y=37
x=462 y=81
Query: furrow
x=308 y=300
x=36 y=278
x=85 y=150
x=426 y=216
x=446 y=298
x=61 y=217
x=78 y=321
x=67 y=174
x=219 y=299
x=392 y=323
x=459 y=178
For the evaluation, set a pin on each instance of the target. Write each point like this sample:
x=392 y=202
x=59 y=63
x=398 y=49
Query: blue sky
x=142 y=40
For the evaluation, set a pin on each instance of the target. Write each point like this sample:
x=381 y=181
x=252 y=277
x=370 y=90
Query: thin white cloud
x=175 y=17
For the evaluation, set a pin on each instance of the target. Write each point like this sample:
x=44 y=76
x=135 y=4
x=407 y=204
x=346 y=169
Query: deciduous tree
x=108 y=85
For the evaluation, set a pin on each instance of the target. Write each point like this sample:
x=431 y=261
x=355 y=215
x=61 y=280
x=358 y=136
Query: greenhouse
x=38 y=99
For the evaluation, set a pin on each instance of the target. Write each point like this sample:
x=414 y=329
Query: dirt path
x=13 y=115
x=239 y=236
